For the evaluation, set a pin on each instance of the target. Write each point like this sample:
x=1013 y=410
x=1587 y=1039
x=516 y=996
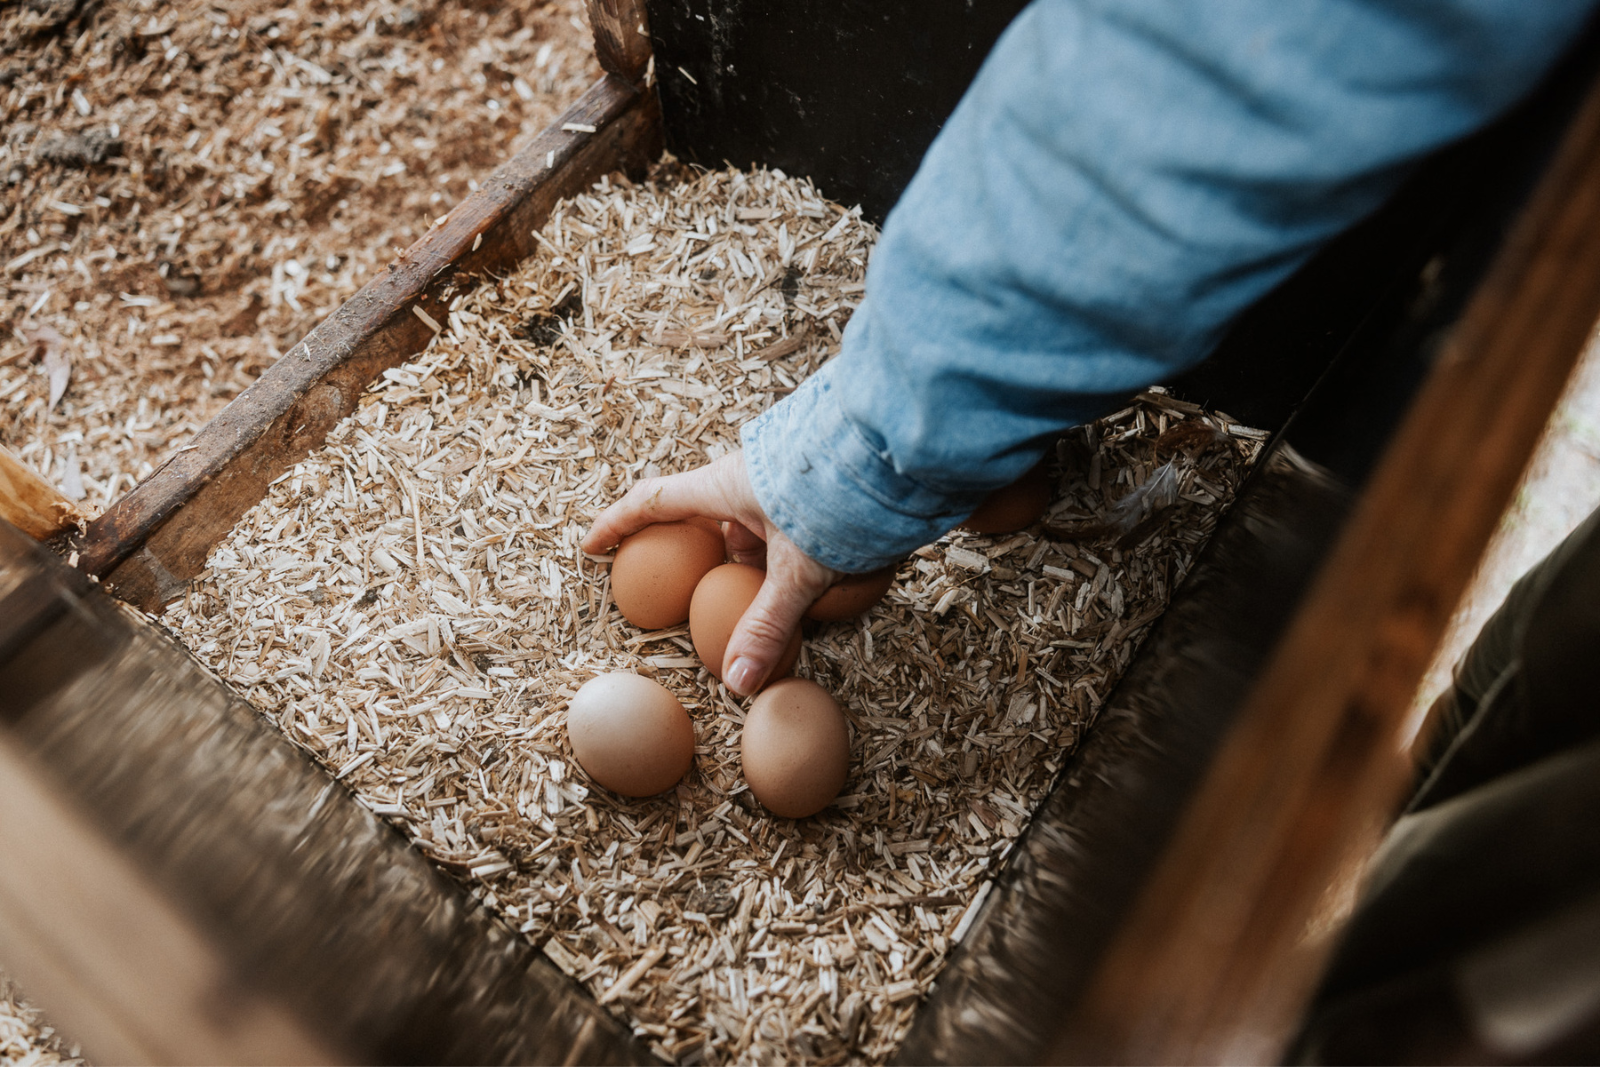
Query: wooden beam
x=1214 y=964
x=145 y=556
x=125 y=972
x=621 y=37
x=32 y=504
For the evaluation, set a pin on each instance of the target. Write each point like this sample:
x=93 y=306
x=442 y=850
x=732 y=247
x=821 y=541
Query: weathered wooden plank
x=88 y=934
x=1213 y=964
x=145 y=557
x=621 y=37
x=32 y=504
x=165 y=835
x=1088 y=849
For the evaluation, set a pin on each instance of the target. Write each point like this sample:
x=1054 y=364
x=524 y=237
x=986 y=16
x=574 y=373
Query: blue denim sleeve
x=1122 y=178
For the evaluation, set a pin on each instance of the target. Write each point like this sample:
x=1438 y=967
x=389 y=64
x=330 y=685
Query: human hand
x=721 y=490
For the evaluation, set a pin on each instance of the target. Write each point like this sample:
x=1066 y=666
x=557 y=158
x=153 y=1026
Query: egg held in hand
x=795 y=749
x=852 y=595
x=630 y=734
x=654 y=574
x=1013 y=507
x=719 y=602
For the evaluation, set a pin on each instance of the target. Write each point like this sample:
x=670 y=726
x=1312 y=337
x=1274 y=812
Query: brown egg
x=795 y=748
x=655 y=570
x=719 y=600
x=630 y=734
x=705 y=523
x=1012 y=507
x=852 y=595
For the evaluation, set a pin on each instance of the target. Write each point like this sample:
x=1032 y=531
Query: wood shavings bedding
x=410 y=604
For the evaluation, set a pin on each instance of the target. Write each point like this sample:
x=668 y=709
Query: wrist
x=836 y=495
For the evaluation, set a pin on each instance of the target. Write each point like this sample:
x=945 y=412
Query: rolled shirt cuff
x=837 y=496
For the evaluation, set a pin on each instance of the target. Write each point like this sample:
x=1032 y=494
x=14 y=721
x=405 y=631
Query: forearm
x=1120 y=181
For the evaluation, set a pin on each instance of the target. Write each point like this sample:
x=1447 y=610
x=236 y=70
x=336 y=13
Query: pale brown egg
x=656 y=570
x=796 y=748
x=852 y=595
x=705 y=523
x=719 y=601
x=1013 y=507
x=630 y=734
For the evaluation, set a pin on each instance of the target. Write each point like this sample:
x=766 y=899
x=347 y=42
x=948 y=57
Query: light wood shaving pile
x=411 y=605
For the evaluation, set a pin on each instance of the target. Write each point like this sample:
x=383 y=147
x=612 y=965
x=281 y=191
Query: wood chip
x=651 y=957
x=224 y=166
x=427 y=319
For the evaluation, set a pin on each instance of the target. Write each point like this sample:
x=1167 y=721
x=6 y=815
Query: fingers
x=768 y=626
x=721 y=490
x=704 y=491
x=649 y=501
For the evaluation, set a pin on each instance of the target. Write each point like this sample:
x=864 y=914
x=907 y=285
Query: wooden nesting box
x=181 y=885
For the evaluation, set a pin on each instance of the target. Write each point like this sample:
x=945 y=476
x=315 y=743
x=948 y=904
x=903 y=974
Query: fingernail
x=741 y=675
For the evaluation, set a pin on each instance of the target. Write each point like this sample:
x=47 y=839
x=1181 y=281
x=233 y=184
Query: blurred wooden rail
x=138 y=981
x=1214 y=965
x=181 y=885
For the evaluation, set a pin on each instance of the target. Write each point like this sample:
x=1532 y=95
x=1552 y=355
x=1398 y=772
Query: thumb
x=762 y=638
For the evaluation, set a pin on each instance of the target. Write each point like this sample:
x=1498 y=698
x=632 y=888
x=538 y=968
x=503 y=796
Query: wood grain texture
x=168 y=834
x=32 y=504
x=136 y=546
x=621 y=37
x=1214 y=964
x=121 y=968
